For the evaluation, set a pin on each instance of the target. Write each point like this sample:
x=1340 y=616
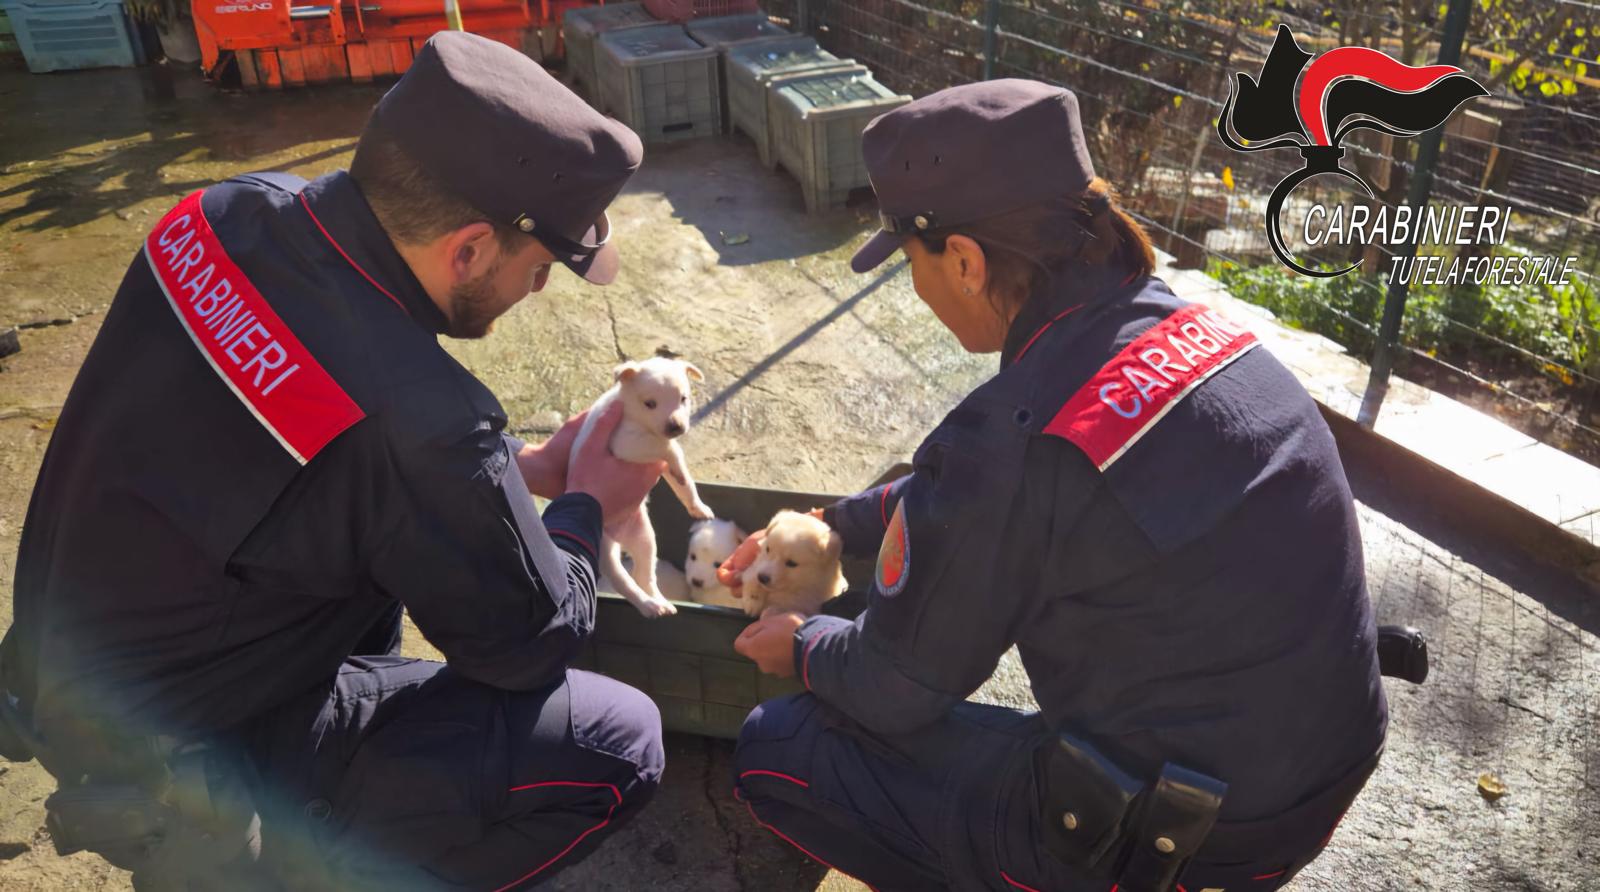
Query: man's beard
x=473 y=306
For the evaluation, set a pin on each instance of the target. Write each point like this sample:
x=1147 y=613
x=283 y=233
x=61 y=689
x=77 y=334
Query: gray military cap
x=970 y=152
x=495 y=127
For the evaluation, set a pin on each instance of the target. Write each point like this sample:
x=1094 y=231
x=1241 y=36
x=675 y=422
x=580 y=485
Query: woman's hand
x=769 y=642
x=731 y=573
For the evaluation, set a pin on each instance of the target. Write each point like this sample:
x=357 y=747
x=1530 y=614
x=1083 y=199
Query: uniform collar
x=1066 y=299
x=345 y=220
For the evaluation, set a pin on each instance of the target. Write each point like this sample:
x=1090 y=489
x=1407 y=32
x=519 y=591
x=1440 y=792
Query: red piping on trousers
x=1269 y=876
x=883 y=505
x=778 y=774
x=1013 y=883
x=803 y=849
x=571 y=845
x=348 y=258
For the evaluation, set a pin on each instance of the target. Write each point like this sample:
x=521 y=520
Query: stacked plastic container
x=60 y=35
x=659 y=81
x=751 y=66
x=723 y=33
x=581 y=29
x=816 y=121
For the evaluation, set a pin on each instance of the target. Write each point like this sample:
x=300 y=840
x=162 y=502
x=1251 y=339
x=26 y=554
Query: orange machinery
x=279 y=43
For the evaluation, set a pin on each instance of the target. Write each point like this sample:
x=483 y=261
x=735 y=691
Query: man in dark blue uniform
x=267 y=454
x=1142 y=500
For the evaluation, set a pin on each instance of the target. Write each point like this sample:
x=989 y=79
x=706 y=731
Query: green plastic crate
x=659 y=81
x=750 y=67
x=686 y=663
x=581 y=29
x=815 y=122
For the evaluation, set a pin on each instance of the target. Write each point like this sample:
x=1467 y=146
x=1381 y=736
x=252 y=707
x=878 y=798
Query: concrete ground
x=816 y=379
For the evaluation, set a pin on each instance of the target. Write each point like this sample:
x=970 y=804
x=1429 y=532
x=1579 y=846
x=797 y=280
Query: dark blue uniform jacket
x=186 y=565
x=1168 y=538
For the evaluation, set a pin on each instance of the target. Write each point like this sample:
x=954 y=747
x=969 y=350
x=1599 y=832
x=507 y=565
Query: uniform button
x=1164 y=845
x=1070 y=821
x=319 y=809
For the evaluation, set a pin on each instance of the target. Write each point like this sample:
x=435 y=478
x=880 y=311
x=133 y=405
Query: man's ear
x=625 y=372
x=967 y=263
x=693 y=373
x=471 y=251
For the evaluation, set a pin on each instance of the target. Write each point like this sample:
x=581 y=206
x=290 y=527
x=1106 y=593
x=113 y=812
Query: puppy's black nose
x=674 y=429
x=765 y=579
x=697 y=583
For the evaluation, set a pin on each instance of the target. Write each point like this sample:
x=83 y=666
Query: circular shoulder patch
x=894 y=555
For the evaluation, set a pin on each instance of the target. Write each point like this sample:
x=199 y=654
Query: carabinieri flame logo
x=1343 y=89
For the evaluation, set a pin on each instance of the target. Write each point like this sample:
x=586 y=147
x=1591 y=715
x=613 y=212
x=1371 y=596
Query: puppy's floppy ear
x=694 y=373
x=777 y=519
x=625 y=372
x=835 y=545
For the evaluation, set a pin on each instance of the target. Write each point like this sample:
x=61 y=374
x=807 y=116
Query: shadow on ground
x=151 y=133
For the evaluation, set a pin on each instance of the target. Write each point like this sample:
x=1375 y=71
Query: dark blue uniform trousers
x=953 y=805
x=950 y=805
x=405 y=775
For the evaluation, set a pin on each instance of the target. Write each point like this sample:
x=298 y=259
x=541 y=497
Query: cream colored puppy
x=710 y=543
x=655 y=412
x=797 y=567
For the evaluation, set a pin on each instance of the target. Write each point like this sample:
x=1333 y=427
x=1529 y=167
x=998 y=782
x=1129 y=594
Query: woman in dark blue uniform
x=1143 y=501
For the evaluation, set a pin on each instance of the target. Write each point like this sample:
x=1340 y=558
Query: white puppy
x=655 y=411
x=710 y=543
x=797 y=567
x=669 y=580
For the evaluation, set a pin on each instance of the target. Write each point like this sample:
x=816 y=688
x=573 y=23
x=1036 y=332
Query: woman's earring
x=967 y=290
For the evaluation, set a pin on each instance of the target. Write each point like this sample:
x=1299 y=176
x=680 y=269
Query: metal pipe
x=991 y=21
x=1394 y=300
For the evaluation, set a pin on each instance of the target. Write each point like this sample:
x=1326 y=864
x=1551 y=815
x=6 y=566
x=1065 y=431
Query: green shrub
x=1547 y=328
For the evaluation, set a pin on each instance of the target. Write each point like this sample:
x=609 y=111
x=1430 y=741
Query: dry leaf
x=1490 y=787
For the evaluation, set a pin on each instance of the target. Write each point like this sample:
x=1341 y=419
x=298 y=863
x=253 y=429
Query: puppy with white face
x=655 y=411
x=797 y=568
x=710 y=543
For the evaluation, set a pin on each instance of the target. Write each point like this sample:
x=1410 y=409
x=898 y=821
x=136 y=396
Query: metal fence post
x=991 y=20
x=1394 y=299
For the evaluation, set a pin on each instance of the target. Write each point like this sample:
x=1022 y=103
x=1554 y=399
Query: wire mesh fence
x=1152 y=79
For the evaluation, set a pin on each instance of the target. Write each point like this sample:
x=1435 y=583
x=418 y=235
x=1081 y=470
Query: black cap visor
x=594 y=258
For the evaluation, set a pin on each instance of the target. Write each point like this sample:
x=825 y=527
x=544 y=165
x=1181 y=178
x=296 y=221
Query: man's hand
x=619 y=486
x=769 y=642
x=544 y=466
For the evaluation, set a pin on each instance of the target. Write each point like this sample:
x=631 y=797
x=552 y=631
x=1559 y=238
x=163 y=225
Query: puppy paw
x=656 y=607
x=701 y=511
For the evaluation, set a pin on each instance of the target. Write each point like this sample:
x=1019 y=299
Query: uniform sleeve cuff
x=806 y=637
x=574 y=522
